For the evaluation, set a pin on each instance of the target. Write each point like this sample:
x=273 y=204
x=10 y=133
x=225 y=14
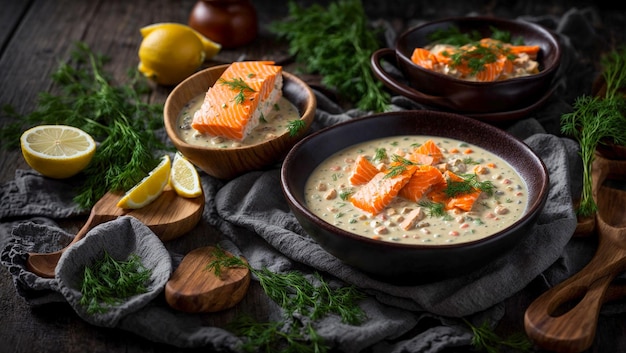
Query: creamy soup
x=501 y=193
x=273 y=125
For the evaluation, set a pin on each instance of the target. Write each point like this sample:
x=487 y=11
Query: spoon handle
x=44 y=264
x=554 y=324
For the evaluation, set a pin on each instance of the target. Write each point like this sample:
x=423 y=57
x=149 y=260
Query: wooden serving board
x=194 y=288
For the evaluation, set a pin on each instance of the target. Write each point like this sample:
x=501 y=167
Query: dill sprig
x=115 y=116
x=380 y=155
x=433 y=209
x=108 y=282
x=270 y=337
x=295 y=126
x=470 y=183
x=596 y=120
x=336 y=42
x=237 y=84
x=398 y=168
x=297 y=295
x=487 y=340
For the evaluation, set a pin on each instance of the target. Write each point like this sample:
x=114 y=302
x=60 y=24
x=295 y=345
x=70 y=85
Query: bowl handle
x=397 y=86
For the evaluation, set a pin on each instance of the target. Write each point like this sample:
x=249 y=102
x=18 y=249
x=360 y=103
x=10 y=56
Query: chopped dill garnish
x=433 y=209
x=398 y=168
x=108 y=282
x=470 y=160
x=237 y=84
x=295 y=126
x=469 y=184
x=380 y=154
x=345 y=195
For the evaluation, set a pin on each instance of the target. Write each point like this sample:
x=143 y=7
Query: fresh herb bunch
x=598 y=119
x=115 y=116
x=297 y=296
x=108 y=282
x=336 y=42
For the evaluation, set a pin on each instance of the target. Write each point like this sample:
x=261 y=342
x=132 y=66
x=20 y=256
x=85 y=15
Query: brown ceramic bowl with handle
x=227 y=163
x=462 y=96
x=412 y=262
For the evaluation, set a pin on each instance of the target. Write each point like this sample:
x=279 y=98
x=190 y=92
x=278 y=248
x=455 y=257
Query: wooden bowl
x=404 y=262
x=227 y=163
x=461 y=96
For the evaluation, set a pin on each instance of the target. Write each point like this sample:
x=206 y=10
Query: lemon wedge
x=184 y=177
x=149 y=188
x=170 y=52
x=57 y=151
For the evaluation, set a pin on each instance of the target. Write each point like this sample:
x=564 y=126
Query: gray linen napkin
x=249 y=217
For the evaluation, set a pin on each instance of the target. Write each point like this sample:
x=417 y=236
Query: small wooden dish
x=227 y=163
x=193 y=288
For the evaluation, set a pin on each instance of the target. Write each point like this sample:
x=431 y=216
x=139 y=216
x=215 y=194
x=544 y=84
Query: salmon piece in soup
x=363 y=172
x=425 y=179
x=374 y=196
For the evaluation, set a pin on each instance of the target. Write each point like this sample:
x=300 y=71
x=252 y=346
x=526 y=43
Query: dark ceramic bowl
x=461 y=96
x=397 y=262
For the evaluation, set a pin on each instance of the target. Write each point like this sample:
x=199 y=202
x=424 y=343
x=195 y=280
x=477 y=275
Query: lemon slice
x=184 y=177
x=57 y=151
x=149 y=188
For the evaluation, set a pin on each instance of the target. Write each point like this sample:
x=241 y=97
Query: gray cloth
x=249 y=217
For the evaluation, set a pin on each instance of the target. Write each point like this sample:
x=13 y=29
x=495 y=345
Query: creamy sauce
x=328 y=185
x=273 y=125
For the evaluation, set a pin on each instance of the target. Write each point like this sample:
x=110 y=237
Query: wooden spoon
x=193 y=288
x=169 y=217
x=573 y=330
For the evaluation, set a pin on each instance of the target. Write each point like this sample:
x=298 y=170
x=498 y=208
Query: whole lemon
x=170 y=52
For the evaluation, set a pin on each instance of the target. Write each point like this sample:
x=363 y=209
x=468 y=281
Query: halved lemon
x=57 y=151
x=149 y=188
x=184 y=177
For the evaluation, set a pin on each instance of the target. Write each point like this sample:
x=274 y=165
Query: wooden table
x=36 y=35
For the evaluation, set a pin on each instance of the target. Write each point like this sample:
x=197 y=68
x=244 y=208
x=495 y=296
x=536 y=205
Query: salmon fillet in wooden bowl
x=235 y=118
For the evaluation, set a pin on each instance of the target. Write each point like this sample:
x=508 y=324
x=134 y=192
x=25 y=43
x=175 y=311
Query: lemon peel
x=184 y=177
x=170 y=52
x=57 y=151
x=149 y=188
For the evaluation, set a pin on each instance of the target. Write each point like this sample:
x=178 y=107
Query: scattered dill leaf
x=270 y=337
x=487 y=340
x=398 y=168
x=297 y=296
x=108 y=282
x=116 y=116
x=336 y=42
